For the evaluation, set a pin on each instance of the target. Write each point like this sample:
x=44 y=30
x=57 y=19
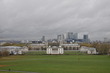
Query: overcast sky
x=31 y=19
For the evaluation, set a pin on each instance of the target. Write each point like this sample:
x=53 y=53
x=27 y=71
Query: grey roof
x=11 y=47
x=89 y=48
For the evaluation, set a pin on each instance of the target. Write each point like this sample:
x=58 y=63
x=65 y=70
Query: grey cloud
x=31 y=19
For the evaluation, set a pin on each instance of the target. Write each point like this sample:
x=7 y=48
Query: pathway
x=18 y=71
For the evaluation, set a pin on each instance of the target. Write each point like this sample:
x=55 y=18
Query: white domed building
x=55 y=50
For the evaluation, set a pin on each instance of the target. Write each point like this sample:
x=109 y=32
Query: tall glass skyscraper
x=86 y=38
x=70 y=35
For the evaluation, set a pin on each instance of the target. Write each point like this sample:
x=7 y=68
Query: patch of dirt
x=3 y=65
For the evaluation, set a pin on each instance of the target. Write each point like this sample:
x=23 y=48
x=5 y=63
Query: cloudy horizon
x=32 y=19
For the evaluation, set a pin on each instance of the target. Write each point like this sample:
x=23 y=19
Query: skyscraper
x=43 y=38
x=75 y=36
x=70 y=35
x=60 y=37
x=85 y=38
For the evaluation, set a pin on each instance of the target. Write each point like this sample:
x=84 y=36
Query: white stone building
x=14 y=49
x=38 y=47
x=70 y=46
x=88 y=50
x=54 y=50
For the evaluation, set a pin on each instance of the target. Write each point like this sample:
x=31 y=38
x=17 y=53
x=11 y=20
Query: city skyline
x=32 y=19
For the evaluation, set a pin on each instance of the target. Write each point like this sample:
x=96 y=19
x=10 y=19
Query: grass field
x=56 y=63
x=65 y=53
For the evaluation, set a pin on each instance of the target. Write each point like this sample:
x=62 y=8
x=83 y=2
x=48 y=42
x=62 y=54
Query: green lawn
x=57 y=63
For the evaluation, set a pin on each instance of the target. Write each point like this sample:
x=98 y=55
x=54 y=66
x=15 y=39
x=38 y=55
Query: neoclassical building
x=55 y=50
x=71 y=46
x=37 y=47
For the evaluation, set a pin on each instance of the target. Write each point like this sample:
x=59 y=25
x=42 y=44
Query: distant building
x=25 y=41
x=36 y=42
x=2 y=43
x=14 y=50
x=88 y=50
x=70 y=35
x=65 y=36
x=60 y=38
x=38 y=47
x=75 y=36
x=106 y=40
x=70 y=46
x=85 y=38
x=55 y=50
x=43 y=39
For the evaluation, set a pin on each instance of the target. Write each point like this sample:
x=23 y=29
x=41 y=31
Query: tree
x=102 y=48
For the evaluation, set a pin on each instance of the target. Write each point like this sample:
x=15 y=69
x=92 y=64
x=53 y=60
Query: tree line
x=102 y=48
x=4 y=53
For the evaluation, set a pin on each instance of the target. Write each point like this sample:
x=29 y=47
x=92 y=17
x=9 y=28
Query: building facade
x=55 y=50
x=88 y=50
x=70 y=46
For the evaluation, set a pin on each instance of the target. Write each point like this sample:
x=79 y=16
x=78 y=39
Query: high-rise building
x=70 y=35
x=60 y=37
x=43 y=38
x=85 y=38
x=75 y=36
x=65 y=35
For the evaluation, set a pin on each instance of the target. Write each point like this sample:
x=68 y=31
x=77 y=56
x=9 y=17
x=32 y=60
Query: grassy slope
x=58 y=63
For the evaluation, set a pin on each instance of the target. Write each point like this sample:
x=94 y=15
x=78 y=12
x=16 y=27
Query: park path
x=18 y=71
